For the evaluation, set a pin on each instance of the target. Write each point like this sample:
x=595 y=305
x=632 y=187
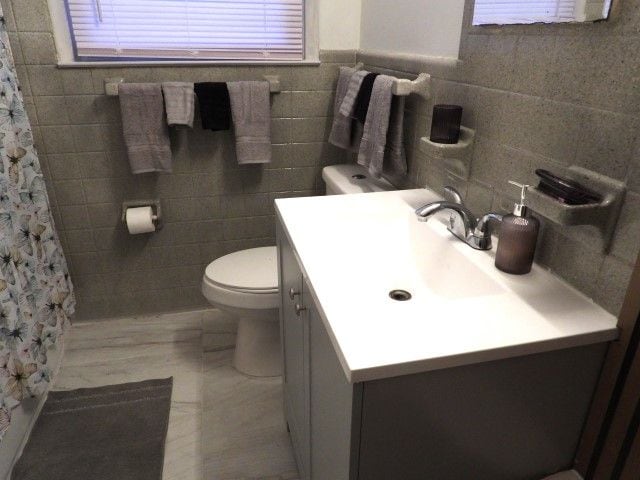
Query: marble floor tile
x=218 y=331
x=183 y=450
x=214 y=342
x=183 y=366
x=223 y=425
x=140 y=348
x=244 y=431
x=216 y=321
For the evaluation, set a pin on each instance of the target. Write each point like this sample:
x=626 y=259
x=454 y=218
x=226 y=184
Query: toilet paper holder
x=154 y=204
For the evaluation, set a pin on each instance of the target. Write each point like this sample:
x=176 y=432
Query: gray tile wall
x=543 y=96
x=212 y=206
x=537 y=96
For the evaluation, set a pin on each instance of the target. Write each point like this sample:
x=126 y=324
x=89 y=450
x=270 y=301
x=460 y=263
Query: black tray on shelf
x=565 y=190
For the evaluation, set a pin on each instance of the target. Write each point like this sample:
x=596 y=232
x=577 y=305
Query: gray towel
x=251 y=113
x=341 y=130
x=179 y=103
x=349 y=102
x=376 y=127
x=395 y=156
x=144 y=127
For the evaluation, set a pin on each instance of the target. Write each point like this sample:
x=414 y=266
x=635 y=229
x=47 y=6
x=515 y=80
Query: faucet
x=462 y=224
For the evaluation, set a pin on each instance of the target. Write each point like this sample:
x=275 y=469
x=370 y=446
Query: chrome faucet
x=462 y=223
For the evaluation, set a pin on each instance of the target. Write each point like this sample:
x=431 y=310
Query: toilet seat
x=244 y=279
x=252 y=270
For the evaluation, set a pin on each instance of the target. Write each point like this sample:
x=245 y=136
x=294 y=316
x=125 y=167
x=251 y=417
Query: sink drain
x=400 y=295
x=358 y=176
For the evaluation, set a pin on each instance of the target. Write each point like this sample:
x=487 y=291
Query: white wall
x=422 y=27
x=340 y=24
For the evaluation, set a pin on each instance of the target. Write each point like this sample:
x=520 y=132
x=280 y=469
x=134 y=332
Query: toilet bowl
x=245 y=284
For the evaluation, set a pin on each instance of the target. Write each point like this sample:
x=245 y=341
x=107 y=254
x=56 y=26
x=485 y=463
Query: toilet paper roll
x=140 y=220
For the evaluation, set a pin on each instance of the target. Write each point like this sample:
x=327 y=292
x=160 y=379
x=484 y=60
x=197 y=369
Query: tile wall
x=211 y=205
x=542 y=96
x=538 y=96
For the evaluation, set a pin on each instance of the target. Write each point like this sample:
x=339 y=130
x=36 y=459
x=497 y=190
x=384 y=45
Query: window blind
x=187 y=29
x=524 y=11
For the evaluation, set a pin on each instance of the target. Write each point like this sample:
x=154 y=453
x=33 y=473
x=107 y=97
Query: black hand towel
x=364 y=97
x=215 y=105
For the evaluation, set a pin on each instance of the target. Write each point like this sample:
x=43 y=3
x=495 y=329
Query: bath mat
x=114 y=432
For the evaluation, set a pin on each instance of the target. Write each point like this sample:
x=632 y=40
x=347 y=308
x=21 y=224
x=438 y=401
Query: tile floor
x=223 y=425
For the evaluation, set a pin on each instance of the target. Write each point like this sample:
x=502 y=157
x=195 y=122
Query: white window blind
x=533 y=11
x=187 y=29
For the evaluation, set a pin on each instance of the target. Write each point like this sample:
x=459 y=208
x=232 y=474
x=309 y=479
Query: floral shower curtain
x=36 y=294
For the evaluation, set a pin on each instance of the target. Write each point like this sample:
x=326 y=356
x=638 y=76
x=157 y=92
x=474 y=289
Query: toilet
x=245 y=284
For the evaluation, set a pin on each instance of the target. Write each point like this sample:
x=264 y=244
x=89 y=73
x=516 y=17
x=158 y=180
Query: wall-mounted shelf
x=603 y=216
x=111 y=84
x=456 y=157
x=403 y=87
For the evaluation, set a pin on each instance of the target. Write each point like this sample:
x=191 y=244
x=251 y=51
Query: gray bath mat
x=115 y=432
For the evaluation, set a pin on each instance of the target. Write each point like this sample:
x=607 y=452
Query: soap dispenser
x=518 y=238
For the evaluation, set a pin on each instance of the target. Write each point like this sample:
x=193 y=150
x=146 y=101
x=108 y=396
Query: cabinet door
x=295 y=353
x=334 y=407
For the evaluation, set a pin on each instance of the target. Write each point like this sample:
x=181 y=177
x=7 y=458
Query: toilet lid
x=247 y=270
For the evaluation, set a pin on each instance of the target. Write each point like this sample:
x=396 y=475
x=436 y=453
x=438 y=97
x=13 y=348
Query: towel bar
x=420 y=86
x=111 y=85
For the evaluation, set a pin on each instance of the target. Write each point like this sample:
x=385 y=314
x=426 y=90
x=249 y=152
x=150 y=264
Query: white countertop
x=355 y=249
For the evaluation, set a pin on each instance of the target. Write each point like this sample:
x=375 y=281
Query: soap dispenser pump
x=518 y=237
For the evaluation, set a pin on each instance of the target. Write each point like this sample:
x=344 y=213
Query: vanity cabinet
x=518 y=418
x=294 y=329
x=320 y=409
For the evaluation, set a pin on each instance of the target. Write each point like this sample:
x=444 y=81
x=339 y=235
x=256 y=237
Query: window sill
x=190 y=63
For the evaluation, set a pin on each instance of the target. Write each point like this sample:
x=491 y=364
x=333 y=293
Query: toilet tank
x=345 y=179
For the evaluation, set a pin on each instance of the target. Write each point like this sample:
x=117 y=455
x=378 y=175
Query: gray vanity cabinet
x=514 y=419
x=295 y=352
x=318 y=400
x=334 y=443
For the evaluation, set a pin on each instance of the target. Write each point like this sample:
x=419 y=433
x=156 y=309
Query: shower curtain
x=36 y=294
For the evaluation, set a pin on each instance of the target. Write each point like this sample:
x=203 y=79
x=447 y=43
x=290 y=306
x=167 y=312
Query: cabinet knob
x=293 y=294
x=299 y=309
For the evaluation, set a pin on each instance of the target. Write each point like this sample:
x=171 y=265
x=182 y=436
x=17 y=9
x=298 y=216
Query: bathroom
x=536 y=93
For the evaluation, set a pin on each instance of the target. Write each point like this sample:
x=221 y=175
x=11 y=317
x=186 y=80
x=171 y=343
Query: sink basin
x=355 y=249
x=438 y=260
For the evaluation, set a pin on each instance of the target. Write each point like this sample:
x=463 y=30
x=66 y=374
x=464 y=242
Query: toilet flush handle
x=293 y=294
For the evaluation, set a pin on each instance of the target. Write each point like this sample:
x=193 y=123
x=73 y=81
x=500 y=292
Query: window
x=505 y=12
x=258 y=30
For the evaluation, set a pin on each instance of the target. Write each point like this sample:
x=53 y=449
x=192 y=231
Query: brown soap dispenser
x=518 y=238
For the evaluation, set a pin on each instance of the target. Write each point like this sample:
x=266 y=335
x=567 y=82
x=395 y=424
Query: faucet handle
x=452 y=195
x=481 y=238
